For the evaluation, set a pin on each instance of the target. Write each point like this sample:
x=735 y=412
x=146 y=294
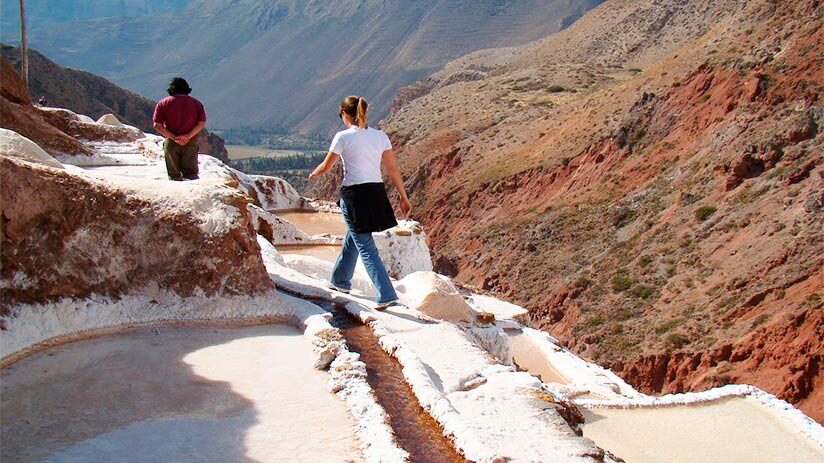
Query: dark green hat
x=178 y=85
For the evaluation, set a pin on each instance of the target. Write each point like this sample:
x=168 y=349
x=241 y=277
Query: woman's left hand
x=406 y=206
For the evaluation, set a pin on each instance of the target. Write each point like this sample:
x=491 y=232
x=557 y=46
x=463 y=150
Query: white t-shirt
x=360 y=150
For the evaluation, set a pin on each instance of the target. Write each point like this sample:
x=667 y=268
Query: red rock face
x=784 y=358
x=66 y=236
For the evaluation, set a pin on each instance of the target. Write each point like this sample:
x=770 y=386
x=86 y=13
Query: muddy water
x=316 y=223
x=416 y=431
x=328 y=253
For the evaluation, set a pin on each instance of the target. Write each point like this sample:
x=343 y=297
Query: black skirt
x=367 y=208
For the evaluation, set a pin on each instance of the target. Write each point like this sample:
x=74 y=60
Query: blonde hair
x=356 y=107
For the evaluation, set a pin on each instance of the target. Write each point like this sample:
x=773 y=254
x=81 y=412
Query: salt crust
x=460 y=367
x=17 y=146
x=110 y=119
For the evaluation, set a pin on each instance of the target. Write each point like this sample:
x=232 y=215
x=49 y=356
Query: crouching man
x=180 y=118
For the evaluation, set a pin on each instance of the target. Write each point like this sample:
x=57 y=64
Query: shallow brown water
x=329 y=252
x=316 y=223
x=416 y=431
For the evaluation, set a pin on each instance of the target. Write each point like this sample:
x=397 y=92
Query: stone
x=436 y=296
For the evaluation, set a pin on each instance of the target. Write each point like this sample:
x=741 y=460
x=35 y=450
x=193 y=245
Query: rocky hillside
x=249 y=60
x=648 y=182
x=80 y=91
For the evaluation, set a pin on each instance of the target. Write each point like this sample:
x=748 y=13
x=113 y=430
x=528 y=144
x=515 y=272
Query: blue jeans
x=363 y=244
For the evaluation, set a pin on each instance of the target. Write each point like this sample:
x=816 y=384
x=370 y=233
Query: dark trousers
x=181 y=161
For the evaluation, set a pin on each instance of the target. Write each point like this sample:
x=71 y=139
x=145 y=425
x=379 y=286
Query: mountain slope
x=648 y=182
x=82 y=92
x=285 y=64
x=41 y=13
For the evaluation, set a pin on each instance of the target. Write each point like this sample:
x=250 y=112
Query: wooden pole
x=24 y=45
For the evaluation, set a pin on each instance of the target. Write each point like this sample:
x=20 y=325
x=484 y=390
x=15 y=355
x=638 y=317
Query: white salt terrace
x=229 y=394
x=175 y=394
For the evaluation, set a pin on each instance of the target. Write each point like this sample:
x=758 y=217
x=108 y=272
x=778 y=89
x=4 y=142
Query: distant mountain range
x=41 y=13
x=284 y=65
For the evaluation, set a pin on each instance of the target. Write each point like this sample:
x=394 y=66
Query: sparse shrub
x=582 y=283
x=705 y=212
x=593 y=321
x=635 y=70
x=555 y=89
x=622 y=216
x=731 y=301
x=624 y=313
x=760 y=319
x=705 y=97
x=668 y=325
x=621 y=282
x=812 y=300
x=676 y=341
x=616 y=328
x=644 y=261
x=642 y=291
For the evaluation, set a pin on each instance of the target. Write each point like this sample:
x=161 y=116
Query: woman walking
x=363 y=202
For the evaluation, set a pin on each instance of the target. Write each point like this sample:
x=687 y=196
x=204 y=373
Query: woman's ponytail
x=356 y=106
x=361 y=118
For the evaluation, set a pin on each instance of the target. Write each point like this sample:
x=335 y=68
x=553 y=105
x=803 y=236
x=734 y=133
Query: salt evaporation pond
x=734 y=430
x=324 y=252
x=176 y=394
x=315 y=223
x=529 y=357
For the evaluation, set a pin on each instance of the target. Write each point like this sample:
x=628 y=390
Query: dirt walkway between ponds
x=178 y=394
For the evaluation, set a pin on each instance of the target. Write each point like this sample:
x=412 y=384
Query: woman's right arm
x=388 y=160
x=328 y=162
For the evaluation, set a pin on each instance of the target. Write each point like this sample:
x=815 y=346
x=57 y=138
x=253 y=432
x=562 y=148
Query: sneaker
x=335 y=288
x=387 y=304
